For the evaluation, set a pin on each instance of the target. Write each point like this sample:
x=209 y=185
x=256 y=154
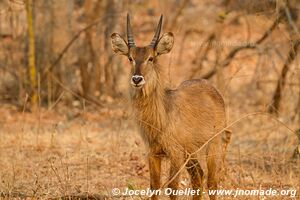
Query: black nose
x=136 y=79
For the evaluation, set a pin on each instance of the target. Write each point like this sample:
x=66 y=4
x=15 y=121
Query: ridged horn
x=157 y=33
x=129 y=33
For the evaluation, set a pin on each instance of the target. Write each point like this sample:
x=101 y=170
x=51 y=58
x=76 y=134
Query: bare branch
x=185 y=36
x=60 y=56
x=291 y=21
x=208 y=44
x=275 y=103
x=87 y=99
x=178 y=13
x=254 y=45
x=233 y=52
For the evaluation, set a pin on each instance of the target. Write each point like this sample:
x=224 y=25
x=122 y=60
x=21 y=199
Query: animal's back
x=197 y=113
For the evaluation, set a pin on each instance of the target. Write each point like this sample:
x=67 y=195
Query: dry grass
x=71 y=151
x=48 y=155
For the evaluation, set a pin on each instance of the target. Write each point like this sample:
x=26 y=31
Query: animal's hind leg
x=214 y=162
x=196 y=173
x=225 y=140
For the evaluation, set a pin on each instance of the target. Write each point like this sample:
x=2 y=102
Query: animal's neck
x=149 y=105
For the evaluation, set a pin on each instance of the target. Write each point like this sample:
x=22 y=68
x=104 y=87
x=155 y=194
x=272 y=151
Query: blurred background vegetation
x=75 y=131
x=60 y=50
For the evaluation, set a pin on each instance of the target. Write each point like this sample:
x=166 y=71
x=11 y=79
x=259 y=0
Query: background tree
x=31 y=52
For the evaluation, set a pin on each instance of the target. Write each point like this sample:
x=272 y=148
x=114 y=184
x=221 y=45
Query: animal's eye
x=150 y=59
x=130 y=59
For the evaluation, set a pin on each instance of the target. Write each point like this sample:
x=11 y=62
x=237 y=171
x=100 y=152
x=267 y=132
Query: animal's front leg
x=174 y=168
x=155 y=171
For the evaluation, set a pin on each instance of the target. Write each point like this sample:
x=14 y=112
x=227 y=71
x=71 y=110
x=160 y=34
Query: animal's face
x=142 y=59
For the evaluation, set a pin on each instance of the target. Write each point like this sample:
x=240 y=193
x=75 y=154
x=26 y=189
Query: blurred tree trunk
x=50 y=83
x=178 y=8
x=293 y=30
x=44 y=46
x=109 y=86
x=89 y=59
x=59 y=36
x=274 y=106
x=31 y=51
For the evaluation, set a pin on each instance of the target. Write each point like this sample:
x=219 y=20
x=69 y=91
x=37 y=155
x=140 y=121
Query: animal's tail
x=226 y=139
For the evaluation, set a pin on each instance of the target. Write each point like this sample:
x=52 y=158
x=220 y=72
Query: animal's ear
x=118 y=44
x=165 y=43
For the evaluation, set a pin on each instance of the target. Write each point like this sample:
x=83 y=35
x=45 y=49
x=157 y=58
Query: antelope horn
x=157 y=33
x=129 y=33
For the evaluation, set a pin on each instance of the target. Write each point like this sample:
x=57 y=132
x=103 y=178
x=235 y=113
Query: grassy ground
x=73 y=151
x=50 y=154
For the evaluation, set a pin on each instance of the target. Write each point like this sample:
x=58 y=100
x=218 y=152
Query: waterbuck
x=174 y=123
